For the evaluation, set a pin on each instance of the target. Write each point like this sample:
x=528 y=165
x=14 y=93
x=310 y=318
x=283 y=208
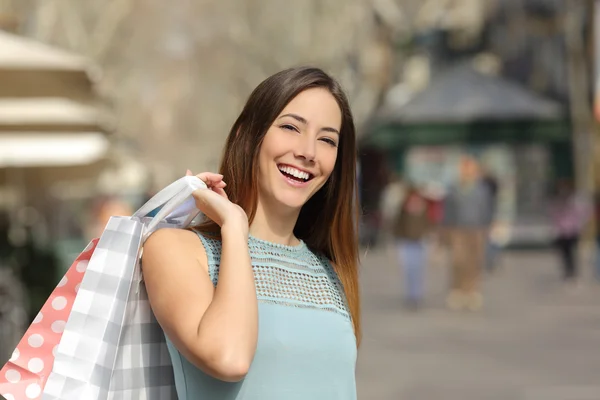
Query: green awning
x=390 y=135
x=463 y=105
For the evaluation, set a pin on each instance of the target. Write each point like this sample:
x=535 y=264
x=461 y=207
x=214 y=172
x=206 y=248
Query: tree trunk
x=579 y=84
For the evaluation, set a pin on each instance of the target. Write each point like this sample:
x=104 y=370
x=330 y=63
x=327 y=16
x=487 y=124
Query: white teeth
x=294 y=172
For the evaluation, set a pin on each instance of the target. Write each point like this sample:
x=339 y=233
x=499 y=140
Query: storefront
x=54 y=142
x=521 y=139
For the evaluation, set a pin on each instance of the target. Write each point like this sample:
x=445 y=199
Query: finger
x=188 y=173
x=210 y=178
x=210 y=175
x=219 y=184
x=214 y=183
x=220 y=192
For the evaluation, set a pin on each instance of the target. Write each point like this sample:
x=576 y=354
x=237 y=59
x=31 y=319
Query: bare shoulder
x=171 y=236
x=175 y=271
x=173 y=245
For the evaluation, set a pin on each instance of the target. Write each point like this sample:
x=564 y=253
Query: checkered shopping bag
x=112 y=346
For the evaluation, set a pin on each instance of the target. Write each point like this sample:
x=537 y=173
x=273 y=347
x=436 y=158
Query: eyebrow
x=303 y=120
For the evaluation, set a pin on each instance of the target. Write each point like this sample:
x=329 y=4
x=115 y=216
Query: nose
x=306 y=149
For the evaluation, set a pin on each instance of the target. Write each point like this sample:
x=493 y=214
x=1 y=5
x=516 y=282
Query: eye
x=289 y=127
x=329 y=141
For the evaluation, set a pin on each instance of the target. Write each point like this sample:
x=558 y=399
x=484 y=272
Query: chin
x=288 y=196
x=291 y=202
x=293 y=199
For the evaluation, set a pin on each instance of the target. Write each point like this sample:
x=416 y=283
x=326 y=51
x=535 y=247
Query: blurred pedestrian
x=412 y=224
x=492 y=248
x=467 y=217
x=569 y=212
x=391 y=203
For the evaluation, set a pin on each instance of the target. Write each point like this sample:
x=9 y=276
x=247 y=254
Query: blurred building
x=522 y=138
x=54 y=143
x=178 y=73
x=489 y=77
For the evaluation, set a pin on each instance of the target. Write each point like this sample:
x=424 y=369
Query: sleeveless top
x=306 y=345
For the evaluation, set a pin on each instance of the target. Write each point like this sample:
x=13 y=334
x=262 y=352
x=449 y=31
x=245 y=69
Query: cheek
x=328 y=163
x=265 y=155
x=273 y=145
x=263 y=165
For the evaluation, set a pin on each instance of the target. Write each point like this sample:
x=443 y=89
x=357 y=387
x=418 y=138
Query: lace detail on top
x=286 y=275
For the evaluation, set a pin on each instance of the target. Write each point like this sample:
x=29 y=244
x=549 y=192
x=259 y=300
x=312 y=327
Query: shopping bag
x=25 y=374
x=111 y=346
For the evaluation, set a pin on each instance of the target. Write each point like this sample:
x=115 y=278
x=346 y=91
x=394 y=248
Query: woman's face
x=299 y=150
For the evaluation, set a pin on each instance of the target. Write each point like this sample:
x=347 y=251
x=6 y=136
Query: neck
x=275 y=225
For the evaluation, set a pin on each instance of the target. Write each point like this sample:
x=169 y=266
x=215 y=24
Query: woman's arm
x=214 y=328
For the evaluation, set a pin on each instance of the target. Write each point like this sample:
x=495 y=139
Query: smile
x=294 y=175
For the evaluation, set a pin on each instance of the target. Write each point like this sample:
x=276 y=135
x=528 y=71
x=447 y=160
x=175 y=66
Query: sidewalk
x=534 y=339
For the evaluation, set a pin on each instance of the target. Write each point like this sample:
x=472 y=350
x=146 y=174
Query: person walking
x=468 y=213
x=569 y=213
x=492 y=250
x=410 y=230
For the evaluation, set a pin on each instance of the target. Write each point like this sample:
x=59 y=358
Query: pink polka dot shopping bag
x=96 y=337
x=25 y=374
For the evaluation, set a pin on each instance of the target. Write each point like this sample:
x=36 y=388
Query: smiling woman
x=299 y=146
x=261 y=300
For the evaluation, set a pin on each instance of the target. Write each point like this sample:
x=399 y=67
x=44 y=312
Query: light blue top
x=306 y=345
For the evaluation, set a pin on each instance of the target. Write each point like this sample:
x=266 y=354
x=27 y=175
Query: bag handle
x=166 y=194
x=176 y=201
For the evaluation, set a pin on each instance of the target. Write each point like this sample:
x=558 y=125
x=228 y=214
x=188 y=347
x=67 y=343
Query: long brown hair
x=328 y=222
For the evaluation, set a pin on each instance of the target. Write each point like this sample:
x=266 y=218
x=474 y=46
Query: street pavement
x=534 y=340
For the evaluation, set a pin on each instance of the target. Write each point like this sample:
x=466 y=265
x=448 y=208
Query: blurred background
x=103 y=102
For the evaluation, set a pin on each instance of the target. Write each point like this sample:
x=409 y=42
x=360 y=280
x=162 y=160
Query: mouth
x=293 y=174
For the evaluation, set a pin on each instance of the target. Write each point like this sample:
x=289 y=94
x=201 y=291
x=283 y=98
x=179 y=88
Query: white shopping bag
x=112 y=347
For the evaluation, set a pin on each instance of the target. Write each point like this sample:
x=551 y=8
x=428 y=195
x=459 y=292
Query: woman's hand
x=215 y=204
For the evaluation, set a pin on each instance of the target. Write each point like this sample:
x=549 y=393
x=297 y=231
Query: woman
x=412 y=224
x=569 y=213
x=261 y=301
